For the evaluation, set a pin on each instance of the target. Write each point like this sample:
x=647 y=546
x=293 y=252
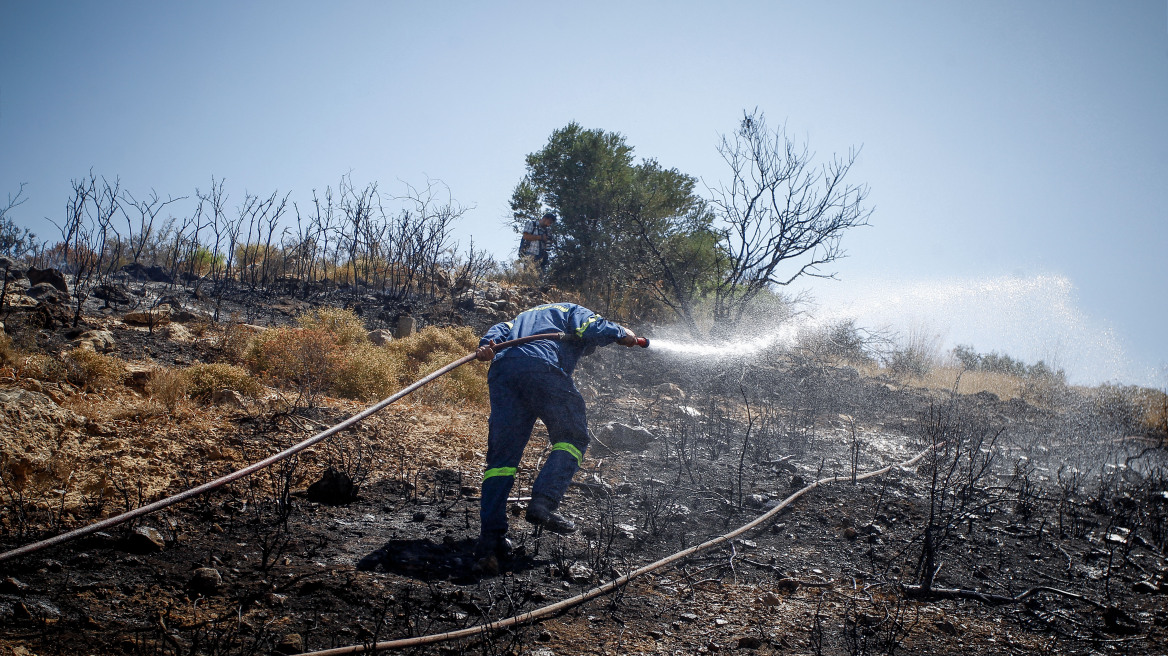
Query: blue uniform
x=531 y=381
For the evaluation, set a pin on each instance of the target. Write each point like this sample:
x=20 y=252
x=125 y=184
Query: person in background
x=537 y=240
x=527 y=382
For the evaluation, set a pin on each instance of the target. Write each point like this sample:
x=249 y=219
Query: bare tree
x=781 y=216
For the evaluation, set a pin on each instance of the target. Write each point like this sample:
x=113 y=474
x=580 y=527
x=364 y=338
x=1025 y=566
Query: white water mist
x=1030 y=318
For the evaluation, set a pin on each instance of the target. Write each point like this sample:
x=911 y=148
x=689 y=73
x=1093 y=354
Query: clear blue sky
x=1001 y=140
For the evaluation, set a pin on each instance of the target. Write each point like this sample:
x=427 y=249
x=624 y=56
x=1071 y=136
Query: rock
x=291 y=643
x=13 y=270
x=419 y=516
x=112 y=294
x=12 y=586
x=757 y=500
x=623 y=437
x=205 y=580
x=797 y=482
x=579 y=573
x=670 y=391
x=144 y=540
x=50 y=276
x=138 y=375
x=101 y=341
x=381 y=336
x=46 y=293
x=159 y=316
x=850 y=533
x=770 y=599
x=31 y=413
x=749 y=642
x=334 y=488
x=144 y=273
x=228 y=397
x=1146 y=587
x=176 y=332
x=406 y=325
x=787 y=585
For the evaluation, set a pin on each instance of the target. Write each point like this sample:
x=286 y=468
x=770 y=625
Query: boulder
x=381 y=336
x=141 y=272
x=101 y=341
x=113 y=294
x=228 y=397
x=159 y=316
x=50 y=276
x=33 y=413
x=622 y=437
x=205 y=580
x=291 y=643
x=144 y=540
x=46 y=293
x=176 y=332
x=138 y=375
x=334 y=488
x=406 y=325
x=13 y=270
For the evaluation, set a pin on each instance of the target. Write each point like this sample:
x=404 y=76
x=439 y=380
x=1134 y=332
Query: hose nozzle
x=643 y=342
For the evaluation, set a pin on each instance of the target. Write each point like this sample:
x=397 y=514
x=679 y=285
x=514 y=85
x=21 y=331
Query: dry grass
x=93 y=371
x=203 y=380
x=1004 y=386
x=368 y=373
x=345 y=326
x=330 y=353
x=168 y=387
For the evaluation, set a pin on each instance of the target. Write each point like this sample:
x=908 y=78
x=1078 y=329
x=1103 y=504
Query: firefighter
x=527 y=382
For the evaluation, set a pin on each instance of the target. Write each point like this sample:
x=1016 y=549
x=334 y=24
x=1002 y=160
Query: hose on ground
x=491 y=627
x=270 y=460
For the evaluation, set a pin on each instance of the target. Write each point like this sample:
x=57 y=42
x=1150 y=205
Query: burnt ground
x=1056 y=500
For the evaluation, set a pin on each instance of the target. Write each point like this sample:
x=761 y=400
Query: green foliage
x=1004 y=364
x=615 y=216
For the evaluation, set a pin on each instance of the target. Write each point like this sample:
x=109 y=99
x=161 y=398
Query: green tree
x=617 y=219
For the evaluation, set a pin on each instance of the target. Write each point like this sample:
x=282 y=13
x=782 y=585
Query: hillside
x=1037 y=522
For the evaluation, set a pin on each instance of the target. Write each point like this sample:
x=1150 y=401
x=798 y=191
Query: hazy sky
x=1008 y=145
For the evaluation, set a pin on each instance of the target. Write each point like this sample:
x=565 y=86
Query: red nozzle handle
x=643 y=342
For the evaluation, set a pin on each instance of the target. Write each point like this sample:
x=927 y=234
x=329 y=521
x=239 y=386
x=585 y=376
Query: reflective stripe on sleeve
x=581 y=329
x=571 y=449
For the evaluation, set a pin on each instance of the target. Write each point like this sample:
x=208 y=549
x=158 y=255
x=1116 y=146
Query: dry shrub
x=168 y=387
x=368 y=373
x=303 y=358
x=344 y=325
x=1004 y=386
x=236 y=341
x=91 y=370
x=203 y=380
x=41 y=367
x=433 y=348
x=8 y=354
x=1133 y=409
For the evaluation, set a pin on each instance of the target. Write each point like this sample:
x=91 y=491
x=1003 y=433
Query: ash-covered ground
x=1035 y=527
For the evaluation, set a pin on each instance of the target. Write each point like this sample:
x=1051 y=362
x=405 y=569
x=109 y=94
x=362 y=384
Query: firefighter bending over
x=527 y=382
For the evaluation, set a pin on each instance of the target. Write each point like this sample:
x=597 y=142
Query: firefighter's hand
x=630 y=338
x=486 y=353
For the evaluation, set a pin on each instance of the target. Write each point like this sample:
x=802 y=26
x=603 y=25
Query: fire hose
x=483 y=630
x=273 y=459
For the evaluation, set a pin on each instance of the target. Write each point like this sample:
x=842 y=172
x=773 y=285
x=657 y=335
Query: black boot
x=490 y=551
x=542 y=512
